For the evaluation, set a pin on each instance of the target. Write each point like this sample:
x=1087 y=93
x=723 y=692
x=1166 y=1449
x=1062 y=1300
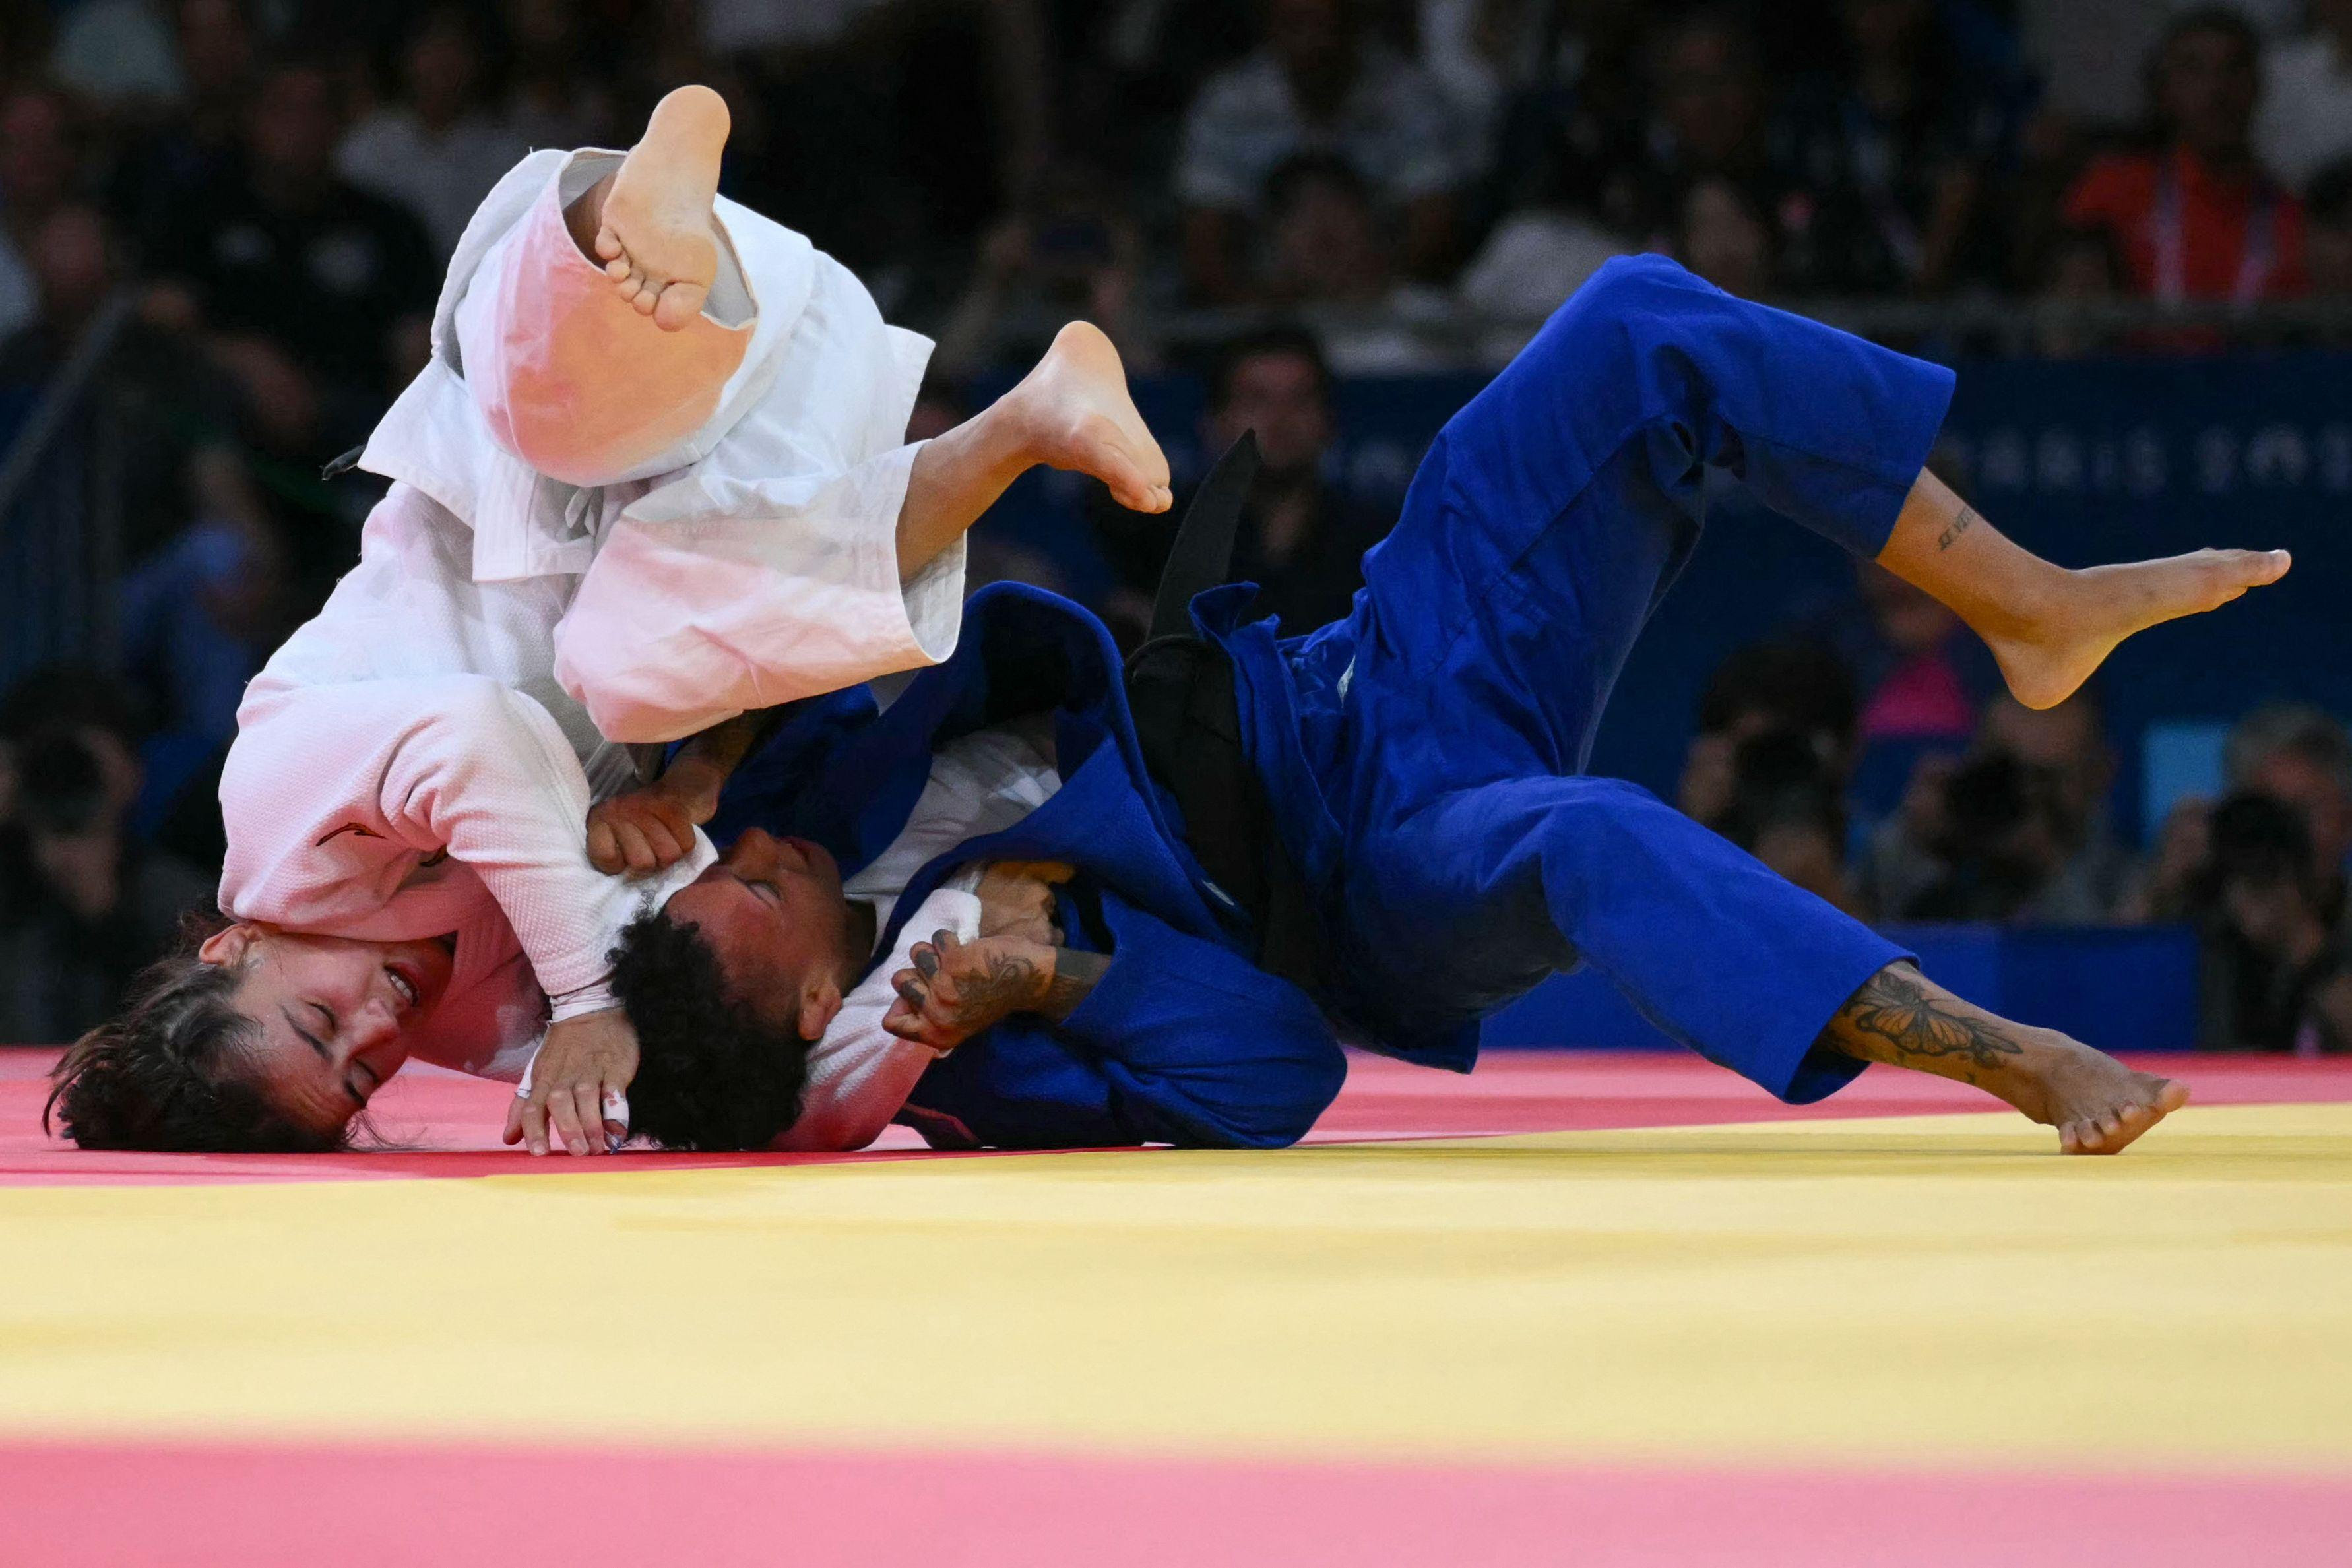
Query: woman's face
x=333 y=1015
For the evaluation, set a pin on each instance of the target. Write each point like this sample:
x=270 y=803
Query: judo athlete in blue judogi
x=1028 y=901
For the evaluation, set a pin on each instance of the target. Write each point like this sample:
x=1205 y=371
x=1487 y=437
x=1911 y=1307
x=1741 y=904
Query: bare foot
x=2097 y=1104
x=2104 y=604
x=656 y=237
x=1074 y=413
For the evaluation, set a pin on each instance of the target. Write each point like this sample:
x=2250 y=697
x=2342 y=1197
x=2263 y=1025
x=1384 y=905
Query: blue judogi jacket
x=1183 y=1040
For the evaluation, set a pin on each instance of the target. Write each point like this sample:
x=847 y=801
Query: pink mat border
x=359 y=1506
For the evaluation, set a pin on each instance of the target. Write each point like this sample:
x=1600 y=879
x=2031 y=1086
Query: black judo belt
x=1180 y=689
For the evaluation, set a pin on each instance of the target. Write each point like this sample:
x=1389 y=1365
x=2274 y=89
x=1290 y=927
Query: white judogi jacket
x=598 y=533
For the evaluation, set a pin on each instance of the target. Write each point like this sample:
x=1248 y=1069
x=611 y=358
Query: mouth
x=405 y=985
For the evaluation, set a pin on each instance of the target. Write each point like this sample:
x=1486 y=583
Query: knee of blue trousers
x=1589 y=379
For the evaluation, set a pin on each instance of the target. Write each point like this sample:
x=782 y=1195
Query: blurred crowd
x=242 y=208
x=1872 y=758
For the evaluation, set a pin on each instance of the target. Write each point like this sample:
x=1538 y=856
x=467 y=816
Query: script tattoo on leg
x=1893 y=1019
x=1961 y=524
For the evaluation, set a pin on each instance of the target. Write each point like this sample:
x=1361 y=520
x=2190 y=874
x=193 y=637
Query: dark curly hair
x=161 y=1075
x=711 y=1074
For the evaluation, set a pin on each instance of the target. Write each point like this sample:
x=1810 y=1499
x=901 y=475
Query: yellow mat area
x=1902 y=1290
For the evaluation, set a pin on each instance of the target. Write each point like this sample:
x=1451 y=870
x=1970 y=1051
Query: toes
x=647 y=298
x=608 y=244
x=2170 y=1095
x=619 y=269
x=680 y=304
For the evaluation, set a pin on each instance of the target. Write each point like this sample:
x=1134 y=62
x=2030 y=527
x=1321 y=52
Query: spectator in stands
x=1709 y=103
x=202 y=605
x=2066 y=756
x=39 y=166
x=2196 y=217
x=553 y=99
x=1920 y=681
x=168 y=407
x=1783 y=808
x=197 y=145
x=1480 y=52
x=1330 y=258
x=1896 y=140
x=2329 y=206
x=1303 y=536
x=435 y=150
x=1719 y=234
x=83 y=906
x=2017 y=832
x=1923 y=683
x=1794 y=686
x=2278 y=966
x=1573 y=132
x=117 y=56
x=2288 y=753
x=2306 y=121
x=1322 y=82
x=2077 y=268
x=320 y=294
x=2301 y=758
x=949 y=104
x=1129 y=68
x=1070 y=250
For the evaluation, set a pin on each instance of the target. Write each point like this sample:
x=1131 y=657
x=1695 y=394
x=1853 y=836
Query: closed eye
x=767 y=893
x=304 y=1035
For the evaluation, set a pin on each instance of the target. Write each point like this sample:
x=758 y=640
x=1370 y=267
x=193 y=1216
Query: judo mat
x=1571 y=1309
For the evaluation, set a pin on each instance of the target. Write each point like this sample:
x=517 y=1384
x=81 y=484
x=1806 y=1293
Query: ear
x=820 y=1000
x=230 y=948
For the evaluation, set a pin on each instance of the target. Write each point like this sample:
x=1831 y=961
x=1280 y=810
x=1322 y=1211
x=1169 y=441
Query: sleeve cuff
x=934 y=602
x=596 y=998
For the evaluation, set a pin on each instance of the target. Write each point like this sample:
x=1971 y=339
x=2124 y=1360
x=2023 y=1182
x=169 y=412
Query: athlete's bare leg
x=2097 y=1104
x=1071 y=411
x=2047 y=626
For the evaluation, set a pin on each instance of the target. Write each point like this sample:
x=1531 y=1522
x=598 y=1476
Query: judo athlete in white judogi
x=652 y=479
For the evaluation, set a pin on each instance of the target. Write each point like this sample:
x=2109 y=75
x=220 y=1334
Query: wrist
x=694 y=784
x=1070 y=976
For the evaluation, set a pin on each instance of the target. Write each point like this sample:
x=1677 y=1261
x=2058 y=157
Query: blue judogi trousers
x=1425 y=755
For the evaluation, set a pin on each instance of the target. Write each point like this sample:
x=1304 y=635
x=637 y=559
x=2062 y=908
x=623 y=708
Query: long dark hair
x=162 y=1074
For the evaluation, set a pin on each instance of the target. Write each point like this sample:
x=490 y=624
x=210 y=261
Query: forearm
x=705 y=760
x=1074 y=976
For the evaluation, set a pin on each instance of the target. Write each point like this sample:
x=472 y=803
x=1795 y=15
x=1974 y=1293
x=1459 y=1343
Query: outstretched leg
x=2049 y=627
x=2098 y=1105
x=1071 y=411
x=1482 y=894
